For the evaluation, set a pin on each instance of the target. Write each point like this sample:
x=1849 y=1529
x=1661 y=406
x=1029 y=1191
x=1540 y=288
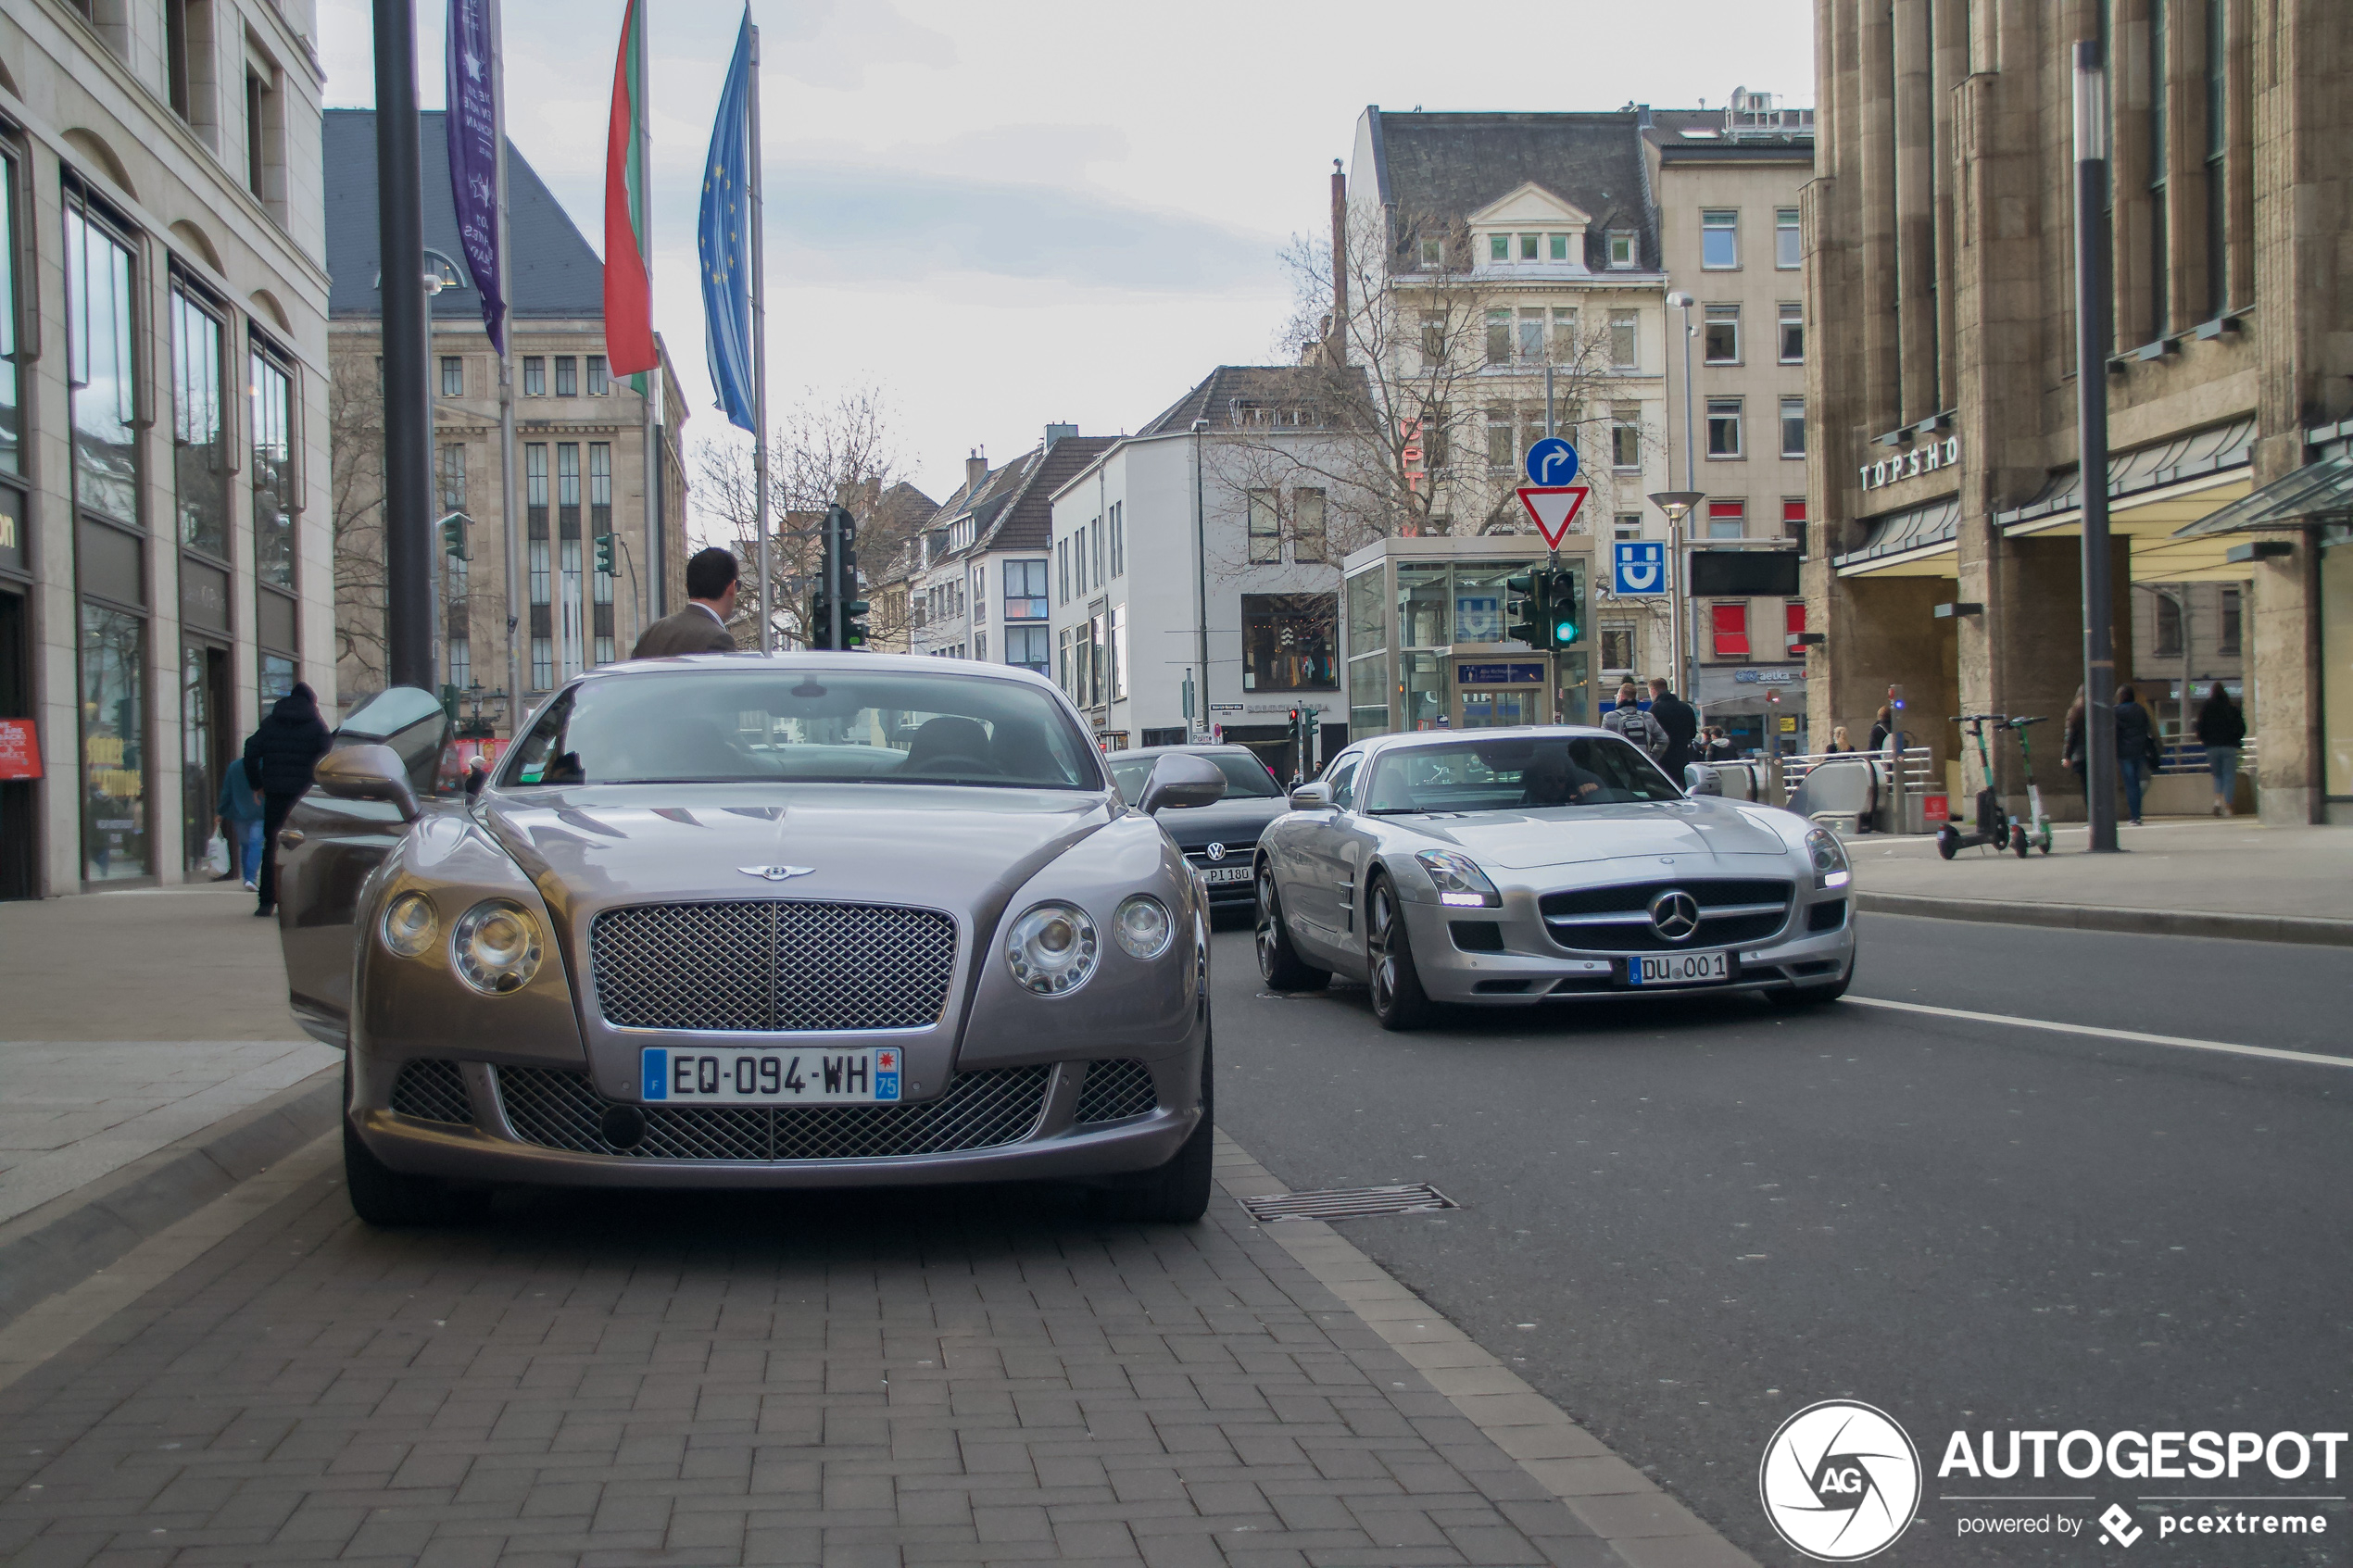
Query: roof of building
x=551 y=271
x=1013 y=506
x=1445 y=166
x=1223 y=396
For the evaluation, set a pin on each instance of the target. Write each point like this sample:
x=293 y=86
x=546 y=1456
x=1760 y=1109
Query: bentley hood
x=1558 y=836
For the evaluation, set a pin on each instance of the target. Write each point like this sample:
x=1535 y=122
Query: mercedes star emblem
x=777 y=873
x=1216 y=851
x=1675 y=915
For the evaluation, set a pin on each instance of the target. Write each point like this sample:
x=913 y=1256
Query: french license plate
x=1678 y=968
x=672 y=1077
x=1217 y=876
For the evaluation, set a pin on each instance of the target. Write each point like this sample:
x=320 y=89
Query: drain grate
x=1349 y=1203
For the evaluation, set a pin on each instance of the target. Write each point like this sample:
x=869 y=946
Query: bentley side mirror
x=1182 y=779
x=1312 y=796
x=368 y=772
x=1701 y=779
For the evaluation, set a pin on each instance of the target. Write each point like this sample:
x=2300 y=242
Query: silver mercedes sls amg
x=740 y=921
x=1509 y=867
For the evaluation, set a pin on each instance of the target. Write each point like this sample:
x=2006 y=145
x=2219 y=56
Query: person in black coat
x=1680 y=723
x=279 y=756
x=2136 y=749
x=2222 y=729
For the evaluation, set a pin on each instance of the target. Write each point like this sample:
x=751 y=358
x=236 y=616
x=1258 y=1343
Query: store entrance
x=1492 y=693
x=19 y=838
x=206 y=744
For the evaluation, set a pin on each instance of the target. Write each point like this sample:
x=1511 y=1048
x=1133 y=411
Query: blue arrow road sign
x=1641 y=567
x=1552 y=462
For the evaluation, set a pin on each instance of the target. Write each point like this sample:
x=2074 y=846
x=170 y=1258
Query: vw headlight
x=1052 y=949
x=1460 y=883
x=1829 y=856
x=1143 y=927
x=496 y=947
x=409 y=925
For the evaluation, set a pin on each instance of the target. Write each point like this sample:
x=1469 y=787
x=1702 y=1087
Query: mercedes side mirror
x=368 y=772
x=1311 y=796
x=1701 y=779
x=1182 y=779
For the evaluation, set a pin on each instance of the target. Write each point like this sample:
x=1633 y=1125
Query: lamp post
x=1678 y=504
x=2091 y=310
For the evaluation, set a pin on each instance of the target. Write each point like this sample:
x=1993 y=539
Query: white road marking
x=2136 y=1035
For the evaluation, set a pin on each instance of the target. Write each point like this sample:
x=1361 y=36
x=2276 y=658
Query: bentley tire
x=1279 y=960
x=1399 y=1001
x=1176 y=1193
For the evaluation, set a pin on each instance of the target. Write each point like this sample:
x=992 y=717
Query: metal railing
x=1916 y=764
x=2188 y=756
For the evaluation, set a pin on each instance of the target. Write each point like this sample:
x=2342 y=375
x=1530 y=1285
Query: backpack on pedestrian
x=1638 y=727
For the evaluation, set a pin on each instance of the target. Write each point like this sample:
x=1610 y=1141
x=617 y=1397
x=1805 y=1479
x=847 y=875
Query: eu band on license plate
x=1215 y=875
x=1678 y=968
x=672 y=1076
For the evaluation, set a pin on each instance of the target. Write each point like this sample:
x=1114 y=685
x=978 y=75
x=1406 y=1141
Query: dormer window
x=1434 y=254
x=1622 y=249
x=959 y=533
x=1498 y=247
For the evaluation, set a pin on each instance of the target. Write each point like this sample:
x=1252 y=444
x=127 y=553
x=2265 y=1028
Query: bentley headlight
x=409 y=925
x=1461 y=884
x=497 y=946
x=1143 y=927
x=1052 y=949
x=1829 y=856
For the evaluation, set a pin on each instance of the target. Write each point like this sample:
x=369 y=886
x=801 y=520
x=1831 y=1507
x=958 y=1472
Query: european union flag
x=724 y=236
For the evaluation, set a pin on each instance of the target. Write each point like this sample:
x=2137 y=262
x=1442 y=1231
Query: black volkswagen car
x=1219 y=840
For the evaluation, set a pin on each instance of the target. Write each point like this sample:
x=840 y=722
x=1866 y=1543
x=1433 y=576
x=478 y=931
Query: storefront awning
x=2188 y=464
x=2319 y=493
x=1917 y=540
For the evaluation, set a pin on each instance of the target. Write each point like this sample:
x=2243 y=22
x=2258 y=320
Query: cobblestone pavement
x=977 y=1377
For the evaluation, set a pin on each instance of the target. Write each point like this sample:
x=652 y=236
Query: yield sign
x=1554 y=507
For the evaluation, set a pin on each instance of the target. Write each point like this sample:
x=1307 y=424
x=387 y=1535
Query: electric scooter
x=1993 y=823
x=2035 y=833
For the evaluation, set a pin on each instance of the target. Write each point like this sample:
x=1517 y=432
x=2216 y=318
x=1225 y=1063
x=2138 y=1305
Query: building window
x=1097 y=551
x=1794 y=520
x=1720 y=239
x=199 y=428
x=1531 y=334
x=1502 y=455
x=2218 y=143
x=11 y=439
x=1625 y=340
x=1433 y=339
x=1306 y=525
x=1627 y=525
x=1728 y=630
x=265 y=133
x=1626 y=438
x=1116 y=631
x=1563 y=335
x=539 y=572
x=1793 y=324
x=980 y=592
x=2227 y=632
x=1724 y=427
x=604 y=649
x=1288 y=642
x=1529 y=245
x=1498 y=247
x=2159 y=129
x=1025 y=590
x=461 y=663
x=567 y=376
x=1793 y=427
x=1026 y=646
x=1062 y=570
x=1062 y=664
x=453 y=375
x=1727 y=520
x=188 y=60
x=1556 y=247
x=599 y=383
x=1789 y=242
x=1118 y=538
x=102 y=371
x=452 y=474
x=1617 y=645
x=1266 y=528
x=1433 y=253
x=543 y=662
x=455 y=570
x=1499 y=337
x=1792 y=624
x=114 y=734
x=1622 y=249
x=535 y=375
x=273 y=467
x=1720 y=337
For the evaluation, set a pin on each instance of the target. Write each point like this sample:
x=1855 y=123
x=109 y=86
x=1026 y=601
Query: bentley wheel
x=1399 y=1001
x=1279 y=961
x=388 y=1199
x=1177 y=1193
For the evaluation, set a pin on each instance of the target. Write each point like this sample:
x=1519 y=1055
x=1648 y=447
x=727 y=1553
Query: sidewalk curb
x=2299 y=929
x=73 y=1236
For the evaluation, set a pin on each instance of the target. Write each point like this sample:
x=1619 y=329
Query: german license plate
x=1216 y=875
x=1678 y=968
x=672 y=1076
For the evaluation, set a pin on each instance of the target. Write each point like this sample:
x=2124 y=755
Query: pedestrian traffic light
x=604 y=554
x=1564 y=609
x=1528 y=609
x=453 y=537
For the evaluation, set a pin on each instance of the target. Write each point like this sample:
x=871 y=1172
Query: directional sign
x=1552 y=462
x=1641 y=567
x=1552 y=506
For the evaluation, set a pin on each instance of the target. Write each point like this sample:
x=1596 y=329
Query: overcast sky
x=1007 y=214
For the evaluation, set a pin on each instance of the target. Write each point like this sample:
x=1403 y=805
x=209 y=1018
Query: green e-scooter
x=2035 y=831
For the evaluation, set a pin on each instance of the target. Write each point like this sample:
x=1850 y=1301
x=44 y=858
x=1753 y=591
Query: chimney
x=975 y=470
x=1336 y=342
x=1055 y=432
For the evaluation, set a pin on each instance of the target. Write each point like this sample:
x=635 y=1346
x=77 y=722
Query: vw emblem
x=777 y=873
x=1675 y=915
x=1216 y=851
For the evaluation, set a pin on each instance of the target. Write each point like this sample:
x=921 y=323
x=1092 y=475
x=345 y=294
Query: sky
x=1003 y=215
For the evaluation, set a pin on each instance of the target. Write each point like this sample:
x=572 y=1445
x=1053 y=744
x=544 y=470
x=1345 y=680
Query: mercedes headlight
x=1461 y=884
x=1829 y=856
x=1052 y=949
x=409 y=925
x=496 y=946
x=1143 y=927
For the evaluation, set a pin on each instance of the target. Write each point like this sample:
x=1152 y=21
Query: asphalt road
x=1685 y=1223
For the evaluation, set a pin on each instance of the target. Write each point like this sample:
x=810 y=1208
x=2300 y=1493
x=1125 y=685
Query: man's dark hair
x=708 y=572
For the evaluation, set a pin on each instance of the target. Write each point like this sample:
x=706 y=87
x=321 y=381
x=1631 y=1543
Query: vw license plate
x=1678 y=968
x=670 y=1076
x=1215 y=875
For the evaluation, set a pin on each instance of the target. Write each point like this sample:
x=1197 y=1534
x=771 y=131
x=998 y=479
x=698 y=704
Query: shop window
x=114 y=719
x=1288 y=642
x=1728 y=630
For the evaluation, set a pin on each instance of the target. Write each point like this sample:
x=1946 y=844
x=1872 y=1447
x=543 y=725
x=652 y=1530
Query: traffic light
x=453 y=537
x=1564 y=617
x=820 y=624
x=838 y=586
x=605 y=554
x=1528 y=609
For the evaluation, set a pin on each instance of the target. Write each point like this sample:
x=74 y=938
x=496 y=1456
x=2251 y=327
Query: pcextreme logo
x=1839 y=1481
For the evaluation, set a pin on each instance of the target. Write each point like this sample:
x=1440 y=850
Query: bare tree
x=356 y=497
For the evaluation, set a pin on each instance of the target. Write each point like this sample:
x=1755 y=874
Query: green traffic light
x=1564 y=633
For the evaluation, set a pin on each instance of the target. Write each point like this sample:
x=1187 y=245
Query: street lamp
x=1677 y=505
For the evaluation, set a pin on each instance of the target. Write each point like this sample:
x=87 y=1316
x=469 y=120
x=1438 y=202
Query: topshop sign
x=1935 y=455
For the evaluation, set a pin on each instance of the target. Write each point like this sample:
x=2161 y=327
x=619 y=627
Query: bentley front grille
x=1117 y=1089
x=559 y=1109
x=763 y=966
x=1617 y=919
x=433 y=1090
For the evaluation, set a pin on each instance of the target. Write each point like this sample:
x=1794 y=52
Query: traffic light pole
x=834 y=590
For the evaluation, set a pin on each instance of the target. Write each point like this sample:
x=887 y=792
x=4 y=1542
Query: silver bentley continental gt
x=738 y=922
x=1504 y=867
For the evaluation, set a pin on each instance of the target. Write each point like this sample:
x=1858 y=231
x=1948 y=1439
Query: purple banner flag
x=473 y=157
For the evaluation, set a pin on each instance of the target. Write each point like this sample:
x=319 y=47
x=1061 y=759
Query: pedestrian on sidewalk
x=1881 y=728
x=279 y=756
x=1629 y=719
x=2071 y=748
x=1839 y=743
x=1681 y=721
x=239 y=809
x=2222 y=729
x=2137 y=750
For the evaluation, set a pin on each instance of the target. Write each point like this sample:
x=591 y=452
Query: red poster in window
x=1793 y=617
x=1730 y=625
x=20 y=750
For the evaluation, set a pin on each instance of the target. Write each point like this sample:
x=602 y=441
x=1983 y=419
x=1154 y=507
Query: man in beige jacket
x=701 y=627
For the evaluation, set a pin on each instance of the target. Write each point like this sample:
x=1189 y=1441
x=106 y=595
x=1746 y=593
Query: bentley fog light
x=410 y=925
x=1461 y=884
x=1829 y=857
x=1143 y=927
x=496 y=947
x=1052 y=949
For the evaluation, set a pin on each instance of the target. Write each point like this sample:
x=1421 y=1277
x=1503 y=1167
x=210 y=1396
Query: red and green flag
x=629 y=324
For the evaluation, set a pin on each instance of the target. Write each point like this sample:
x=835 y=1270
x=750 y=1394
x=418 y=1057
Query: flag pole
x=760 y=363
x=510 y=501
x=651 y=405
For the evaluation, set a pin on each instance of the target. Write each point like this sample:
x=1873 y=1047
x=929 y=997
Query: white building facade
x=979 y=587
